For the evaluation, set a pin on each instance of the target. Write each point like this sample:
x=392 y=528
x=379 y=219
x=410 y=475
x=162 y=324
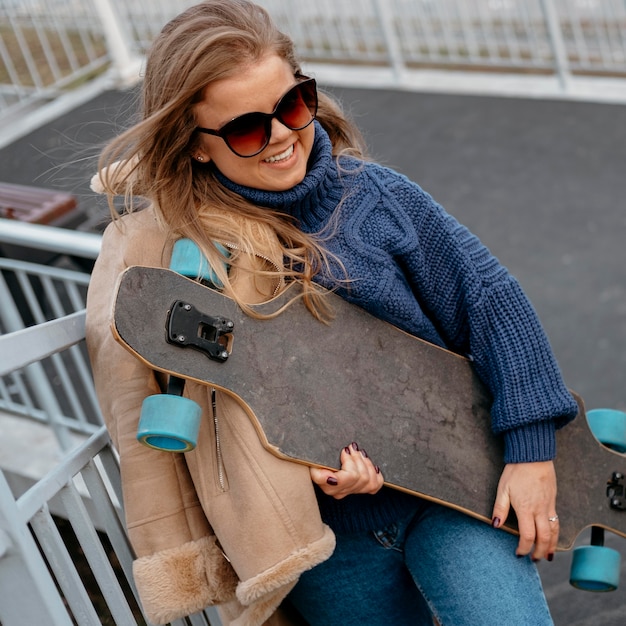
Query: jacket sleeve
x=180 y=569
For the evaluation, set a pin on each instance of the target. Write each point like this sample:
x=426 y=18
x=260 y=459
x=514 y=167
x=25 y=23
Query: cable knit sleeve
x=481 y=310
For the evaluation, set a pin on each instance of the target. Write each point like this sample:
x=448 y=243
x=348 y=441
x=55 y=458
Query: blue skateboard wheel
x=169 y=423
x=595 y=568
x=188 y=260
x=608 y=427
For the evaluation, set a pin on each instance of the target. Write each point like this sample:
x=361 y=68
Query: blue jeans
x=435 y=562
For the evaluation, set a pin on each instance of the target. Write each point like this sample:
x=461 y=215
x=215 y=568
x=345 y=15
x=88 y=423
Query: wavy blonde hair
x=208 y=42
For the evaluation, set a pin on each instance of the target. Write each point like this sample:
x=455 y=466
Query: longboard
x=310 y=388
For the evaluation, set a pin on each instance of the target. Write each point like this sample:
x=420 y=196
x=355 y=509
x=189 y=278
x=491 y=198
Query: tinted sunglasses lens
x=298 y=106
x=248 y=134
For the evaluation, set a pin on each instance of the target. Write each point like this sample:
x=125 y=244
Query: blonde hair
x=208 y=42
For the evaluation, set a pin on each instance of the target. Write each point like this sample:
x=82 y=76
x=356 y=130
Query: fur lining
x=183 y=580
x=288 y=570
x=117 y=170
x=261 y=611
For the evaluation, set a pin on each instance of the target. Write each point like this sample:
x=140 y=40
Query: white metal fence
x=65 y=558
x=48 y=47
x=58 y=390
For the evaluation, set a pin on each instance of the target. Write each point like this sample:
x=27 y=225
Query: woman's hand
x=530 y=488
x=357 y=475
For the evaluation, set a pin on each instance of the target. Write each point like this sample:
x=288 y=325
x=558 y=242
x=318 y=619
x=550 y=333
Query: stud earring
x=200 y=158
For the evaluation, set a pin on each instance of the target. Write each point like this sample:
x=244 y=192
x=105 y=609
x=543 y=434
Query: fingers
x=530 y=488
x=538 y=536
x=358 y=474
x=552 y=535
x=529 y=536
x=501 y=507
x=546 y=536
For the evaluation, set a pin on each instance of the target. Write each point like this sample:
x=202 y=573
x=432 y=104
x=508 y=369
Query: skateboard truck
x=596 y=567
x=616 y=491
x=188 y=327
x=169 y=421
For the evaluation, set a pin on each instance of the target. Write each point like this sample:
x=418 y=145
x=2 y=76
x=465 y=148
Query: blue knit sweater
x=415 y=266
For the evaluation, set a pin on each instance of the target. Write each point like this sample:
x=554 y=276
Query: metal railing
x=65 y=557
x=48 y=47
x=32 y=550
x=56 y=390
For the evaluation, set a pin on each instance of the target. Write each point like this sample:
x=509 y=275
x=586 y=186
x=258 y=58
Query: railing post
x=23 y=572
x=561 y=62
x=385 y=13
x=126 y=63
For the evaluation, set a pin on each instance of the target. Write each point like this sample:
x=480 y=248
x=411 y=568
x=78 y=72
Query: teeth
x=279 y=157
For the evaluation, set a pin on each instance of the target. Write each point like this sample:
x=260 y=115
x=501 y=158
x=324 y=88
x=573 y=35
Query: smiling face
x=257 y=87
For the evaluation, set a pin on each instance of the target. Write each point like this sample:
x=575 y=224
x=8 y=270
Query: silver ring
x=553 y=519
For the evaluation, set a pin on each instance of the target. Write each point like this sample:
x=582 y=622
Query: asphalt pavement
x=542 y=183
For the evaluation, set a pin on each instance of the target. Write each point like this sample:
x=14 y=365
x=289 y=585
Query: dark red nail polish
x=355 y=446
x=495 y=522
x=377 y=469
x=331 y=480
x=364 y=454
x=551 y=557
x=347 y=450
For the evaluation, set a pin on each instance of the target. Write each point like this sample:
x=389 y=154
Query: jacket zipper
x=216 y=427
x=234 y=246
x=218 y=446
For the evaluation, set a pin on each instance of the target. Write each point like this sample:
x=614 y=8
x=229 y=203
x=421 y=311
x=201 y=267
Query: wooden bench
x=35 y=204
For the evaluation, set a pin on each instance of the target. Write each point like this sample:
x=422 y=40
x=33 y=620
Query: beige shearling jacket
x=234 y=528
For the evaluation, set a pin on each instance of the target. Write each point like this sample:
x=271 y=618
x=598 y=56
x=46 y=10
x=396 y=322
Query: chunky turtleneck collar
x=313 y=200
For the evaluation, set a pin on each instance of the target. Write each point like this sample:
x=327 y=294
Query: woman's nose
x=279 y=131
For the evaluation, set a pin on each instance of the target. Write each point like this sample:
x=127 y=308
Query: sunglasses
x=249 y=134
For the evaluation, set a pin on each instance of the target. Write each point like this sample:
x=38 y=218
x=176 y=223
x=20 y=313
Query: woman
x=236 y=147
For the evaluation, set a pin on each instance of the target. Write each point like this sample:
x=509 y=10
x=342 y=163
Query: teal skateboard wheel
x=188 y=260
x=595 y=568
x=169 y=423
x=609 y=428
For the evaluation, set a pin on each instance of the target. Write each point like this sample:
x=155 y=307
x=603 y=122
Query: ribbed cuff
x=530 y=443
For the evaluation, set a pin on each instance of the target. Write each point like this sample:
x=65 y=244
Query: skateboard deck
x=310 y=388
